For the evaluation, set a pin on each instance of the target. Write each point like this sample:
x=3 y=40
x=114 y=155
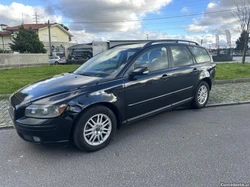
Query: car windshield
x=107 y=63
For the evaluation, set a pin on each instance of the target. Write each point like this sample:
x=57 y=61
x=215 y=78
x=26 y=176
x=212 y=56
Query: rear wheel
x=201 y=95
x=56 y=63
x=95 y=129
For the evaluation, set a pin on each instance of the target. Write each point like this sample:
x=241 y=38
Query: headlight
x=44 y=111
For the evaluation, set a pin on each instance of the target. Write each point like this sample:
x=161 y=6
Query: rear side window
x=181 y=56
x=200 y=54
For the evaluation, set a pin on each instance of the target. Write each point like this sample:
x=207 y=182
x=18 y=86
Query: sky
x=103 y=20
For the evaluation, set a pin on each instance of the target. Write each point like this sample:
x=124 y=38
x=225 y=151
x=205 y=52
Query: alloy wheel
x=202 y=94
x=97 y=129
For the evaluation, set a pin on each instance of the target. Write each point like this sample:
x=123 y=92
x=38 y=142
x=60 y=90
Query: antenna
x=36 y=18
x=22 y=19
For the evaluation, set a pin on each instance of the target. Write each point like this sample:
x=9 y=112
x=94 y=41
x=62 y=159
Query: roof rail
x=170 y=40
x=123 y=44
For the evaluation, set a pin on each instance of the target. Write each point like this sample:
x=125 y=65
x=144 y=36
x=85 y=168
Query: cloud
x=196 y=28
x=216 y=19
x=185 y=10
x=211 y=5
x=111 y=19
x=16 y=13
x=106 y=15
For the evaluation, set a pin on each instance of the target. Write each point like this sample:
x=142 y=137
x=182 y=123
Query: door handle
x=165 y=76
x=195 y=70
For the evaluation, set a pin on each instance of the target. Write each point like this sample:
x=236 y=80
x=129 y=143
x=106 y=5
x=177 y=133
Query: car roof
x=155 y=42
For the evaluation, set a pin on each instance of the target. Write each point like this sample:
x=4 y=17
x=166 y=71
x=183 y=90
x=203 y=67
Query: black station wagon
x=121 y=85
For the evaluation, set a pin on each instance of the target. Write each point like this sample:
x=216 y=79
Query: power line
x=156 y=18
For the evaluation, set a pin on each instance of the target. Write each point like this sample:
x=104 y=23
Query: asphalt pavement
x=204 y=147
x=239 y=58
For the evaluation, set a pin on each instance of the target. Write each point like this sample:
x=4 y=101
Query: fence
x=19 y=60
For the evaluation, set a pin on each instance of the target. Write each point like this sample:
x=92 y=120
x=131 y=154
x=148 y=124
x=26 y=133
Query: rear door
x=184 y=73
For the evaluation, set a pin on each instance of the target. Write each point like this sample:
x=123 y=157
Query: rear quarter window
x=201 y=55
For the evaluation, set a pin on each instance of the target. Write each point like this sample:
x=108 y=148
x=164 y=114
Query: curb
x=4 y=95
x=6 y=127
x=231 y=81
x=227 y=104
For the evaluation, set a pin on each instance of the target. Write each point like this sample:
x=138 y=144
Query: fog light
x=36 y=139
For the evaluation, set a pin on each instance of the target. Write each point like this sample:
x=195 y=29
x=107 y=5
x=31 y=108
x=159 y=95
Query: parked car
x=57 y=60
x=84 y=55
x=121 y=85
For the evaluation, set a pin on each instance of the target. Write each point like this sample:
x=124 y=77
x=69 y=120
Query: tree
x=240 y=42
x=242 y=14
x=27 y=41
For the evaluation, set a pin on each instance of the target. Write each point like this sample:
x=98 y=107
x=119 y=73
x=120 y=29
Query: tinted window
x=181 y=56
x=154 y=59
x=200 y=54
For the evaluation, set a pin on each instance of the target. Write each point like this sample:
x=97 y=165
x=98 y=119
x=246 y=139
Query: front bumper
x=44 y=131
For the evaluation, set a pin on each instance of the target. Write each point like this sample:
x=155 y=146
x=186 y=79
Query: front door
x=148 y=93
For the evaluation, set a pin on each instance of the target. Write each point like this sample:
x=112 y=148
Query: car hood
x=54 y=85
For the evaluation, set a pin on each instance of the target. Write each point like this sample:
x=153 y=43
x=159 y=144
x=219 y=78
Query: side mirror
x=138 y=71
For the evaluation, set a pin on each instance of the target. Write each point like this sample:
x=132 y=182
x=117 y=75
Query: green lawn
x=13 y=79
x=232 y=71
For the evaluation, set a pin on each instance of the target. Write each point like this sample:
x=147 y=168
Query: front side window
x=201 y=55
x=154 y=59
x=181 y=56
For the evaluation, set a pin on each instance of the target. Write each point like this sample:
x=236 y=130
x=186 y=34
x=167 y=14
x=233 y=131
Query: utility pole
x=36 y=18
x=50 y=49
x=22 y=19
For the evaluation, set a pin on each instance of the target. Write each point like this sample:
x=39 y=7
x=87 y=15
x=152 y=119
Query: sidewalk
x=221 y=94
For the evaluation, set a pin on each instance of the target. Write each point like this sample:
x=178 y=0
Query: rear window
x=201 y=55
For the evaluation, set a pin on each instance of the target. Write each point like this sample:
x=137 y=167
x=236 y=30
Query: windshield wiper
x=84 y=74
x=93 y=74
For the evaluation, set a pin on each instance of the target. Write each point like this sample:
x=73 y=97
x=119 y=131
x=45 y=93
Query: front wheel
x=201 y=95
x=95 y=129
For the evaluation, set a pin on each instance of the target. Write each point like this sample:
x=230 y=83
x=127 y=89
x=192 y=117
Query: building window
x=54 y=38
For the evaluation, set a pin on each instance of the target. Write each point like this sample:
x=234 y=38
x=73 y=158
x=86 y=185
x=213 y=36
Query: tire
x=56 y=63
x=90 y=136
x=201 y=95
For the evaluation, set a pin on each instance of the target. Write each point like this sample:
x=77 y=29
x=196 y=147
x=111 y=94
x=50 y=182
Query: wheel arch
x=208 y=81
x=112 y=107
